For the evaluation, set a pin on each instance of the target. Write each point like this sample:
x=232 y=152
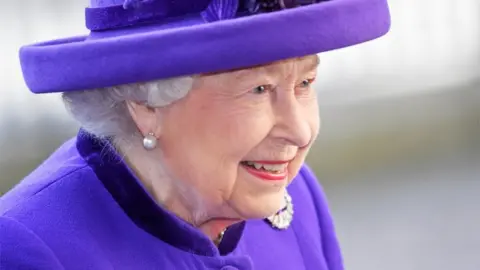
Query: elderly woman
x=196 y=120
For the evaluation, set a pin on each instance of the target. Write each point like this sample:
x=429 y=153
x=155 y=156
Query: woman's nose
x=292 y=122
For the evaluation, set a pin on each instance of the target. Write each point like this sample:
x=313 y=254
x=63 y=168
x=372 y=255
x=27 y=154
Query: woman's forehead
x=306 y=63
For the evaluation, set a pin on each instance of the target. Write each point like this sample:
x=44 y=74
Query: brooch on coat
x=282 y=219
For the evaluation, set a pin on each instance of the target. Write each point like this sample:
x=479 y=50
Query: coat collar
x=132 y=197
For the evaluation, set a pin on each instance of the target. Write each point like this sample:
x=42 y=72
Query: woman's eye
x=260 y=89
x=307 y=83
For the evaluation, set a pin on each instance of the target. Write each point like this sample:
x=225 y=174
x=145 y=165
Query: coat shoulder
x=55 y=201
x=20 y=248
x=63 y=166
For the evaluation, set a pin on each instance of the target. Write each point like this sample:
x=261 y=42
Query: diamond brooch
x=282 y=219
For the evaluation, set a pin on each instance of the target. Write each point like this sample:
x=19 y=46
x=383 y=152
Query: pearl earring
x=150 y=141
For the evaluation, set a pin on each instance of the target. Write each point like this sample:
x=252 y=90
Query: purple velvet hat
x=143 y=40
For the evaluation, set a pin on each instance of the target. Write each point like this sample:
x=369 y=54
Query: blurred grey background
x=399 y=152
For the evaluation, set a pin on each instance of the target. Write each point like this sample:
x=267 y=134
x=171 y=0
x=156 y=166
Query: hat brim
x=80 y=63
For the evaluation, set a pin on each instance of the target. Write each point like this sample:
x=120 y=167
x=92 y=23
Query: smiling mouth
x=267 y=170
x=272 y=168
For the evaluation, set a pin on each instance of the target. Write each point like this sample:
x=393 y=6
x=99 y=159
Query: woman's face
x=239 y=138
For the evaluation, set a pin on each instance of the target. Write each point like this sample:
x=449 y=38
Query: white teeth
x=273 y=167
x=277 y=168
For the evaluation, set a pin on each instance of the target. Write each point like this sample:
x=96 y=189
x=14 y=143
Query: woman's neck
x=168 y=193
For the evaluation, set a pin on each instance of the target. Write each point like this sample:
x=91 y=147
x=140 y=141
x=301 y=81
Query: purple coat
x=84 y=209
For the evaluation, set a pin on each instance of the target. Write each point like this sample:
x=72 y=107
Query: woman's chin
x=259 y=207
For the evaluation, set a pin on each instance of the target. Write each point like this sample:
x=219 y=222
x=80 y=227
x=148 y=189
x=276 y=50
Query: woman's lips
x=267 y=170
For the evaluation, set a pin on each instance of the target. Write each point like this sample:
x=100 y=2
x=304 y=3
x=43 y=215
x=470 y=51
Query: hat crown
x=105 y=3
x=249 y=3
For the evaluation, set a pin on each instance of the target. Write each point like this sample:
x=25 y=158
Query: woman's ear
x=145 y=118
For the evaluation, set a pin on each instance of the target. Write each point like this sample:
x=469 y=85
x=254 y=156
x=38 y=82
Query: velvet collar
x=131 y=196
